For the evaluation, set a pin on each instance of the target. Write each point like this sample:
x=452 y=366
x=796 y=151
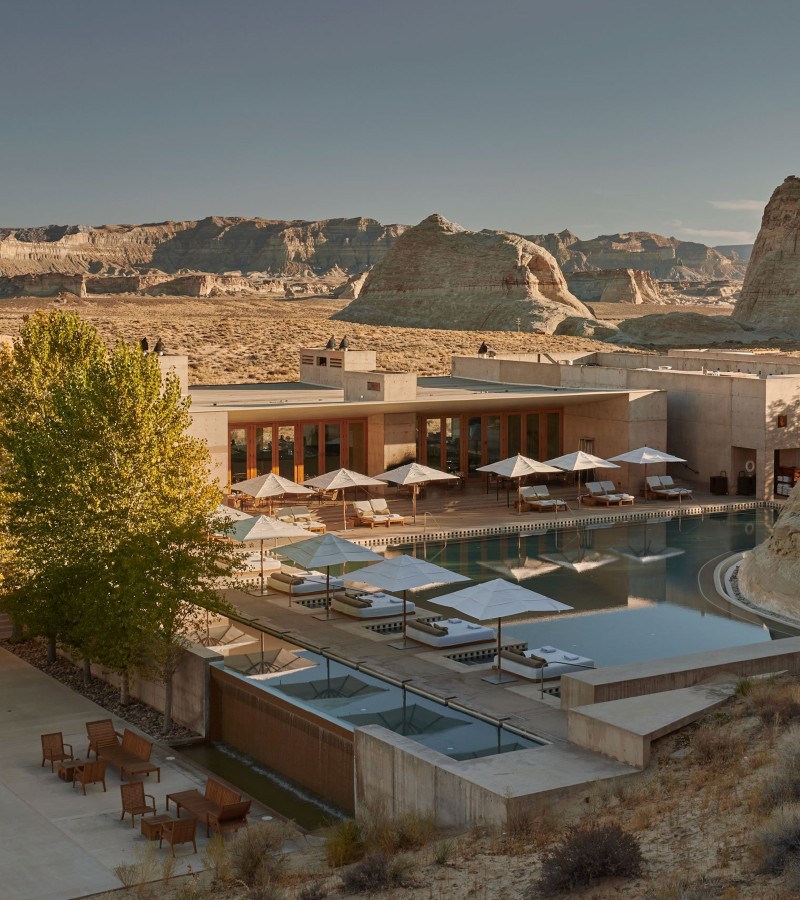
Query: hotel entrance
x=464 y=442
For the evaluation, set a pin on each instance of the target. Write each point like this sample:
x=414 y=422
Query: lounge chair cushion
x=355 y=602
x=286 y=578
x=429 y=628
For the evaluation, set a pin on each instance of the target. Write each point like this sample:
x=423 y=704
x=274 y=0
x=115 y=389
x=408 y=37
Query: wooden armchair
x=134 y=801
x=181 y=831
x=90 y=773
x=54 y=749
x=101 y=734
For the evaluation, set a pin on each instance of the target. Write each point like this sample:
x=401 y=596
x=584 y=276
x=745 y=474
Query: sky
x=599 y=116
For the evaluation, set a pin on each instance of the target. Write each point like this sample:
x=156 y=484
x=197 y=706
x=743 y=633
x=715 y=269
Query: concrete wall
x=375 y=451
x=673 y=673
x=400 y=438
x=189 y=687
x=212 y=427
x=176 y=365
x=379 y=386
x=327 y=367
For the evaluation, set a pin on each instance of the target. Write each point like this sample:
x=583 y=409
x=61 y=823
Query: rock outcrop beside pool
x=770 y=573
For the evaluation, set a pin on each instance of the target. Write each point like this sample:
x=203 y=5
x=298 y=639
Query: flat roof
x=442 y=391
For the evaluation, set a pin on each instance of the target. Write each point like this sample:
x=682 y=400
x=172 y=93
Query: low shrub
x=444 y=853
x=256 y=855
x=702 y=888
x=775 y=703
x=374 y=873
x=712 y=744
x=314 y=891
x=587 y=853
x=344 y=843
x=778 y=842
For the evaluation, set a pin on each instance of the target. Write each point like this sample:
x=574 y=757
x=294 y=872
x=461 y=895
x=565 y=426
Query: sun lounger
x=663 y=487
x=251 y=564
x=596 y=495
x=364 y=605
x=449 y=633
x=381 y=508
x=543 y=663
x=365 y=515
x=616 y=496
x=302 y=585
x=538 y=497
x=302 y=517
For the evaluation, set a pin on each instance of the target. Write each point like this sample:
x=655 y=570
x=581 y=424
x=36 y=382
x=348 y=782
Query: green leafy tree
x=134 y=507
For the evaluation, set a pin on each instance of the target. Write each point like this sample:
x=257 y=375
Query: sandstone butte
x=769 y=574
x=439 y=275
x=770 y=295
x=614 y=286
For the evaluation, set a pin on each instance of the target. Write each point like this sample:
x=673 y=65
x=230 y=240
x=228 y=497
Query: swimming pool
x=633 y=588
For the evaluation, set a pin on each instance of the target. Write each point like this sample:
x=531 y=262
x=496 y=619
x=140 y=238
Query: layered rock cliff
x=439 y=275
x=215 y=245
x=665 y=258
x=614 y=286
x=771 y=291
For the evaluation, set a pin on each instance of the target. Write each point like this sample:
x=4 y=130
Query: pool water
x=634 y=588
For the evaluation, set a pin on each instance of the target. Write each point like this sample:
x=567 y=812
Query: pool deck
x=56 y=842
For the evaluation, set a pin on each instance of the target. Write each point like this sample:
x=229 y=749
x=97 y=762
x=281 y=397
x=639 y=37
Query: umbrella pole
x=327 y=592
x=499 y=650
x=414 y=501
x=404 y=615
x=262 y=565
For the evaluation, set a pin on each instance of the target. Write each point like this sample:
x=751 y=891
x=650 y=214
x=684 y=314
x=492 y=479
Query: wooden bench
x=131 y=757
x=218 y=806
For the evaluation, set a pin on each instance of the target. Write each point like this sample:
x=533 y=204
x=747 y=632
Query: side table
x=66 y=768
x=151 y=825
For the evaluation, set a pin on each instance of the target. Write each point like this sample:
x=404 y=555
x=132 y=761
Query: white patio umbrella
x=228 y=512
x=415 y=474
x=579 y=461
x=644 y=456
x=519 y=467
x=325 y=551
x=498 y=599
x=401 y=574
x=341 y=480
x=261 y=528
x=270 y=485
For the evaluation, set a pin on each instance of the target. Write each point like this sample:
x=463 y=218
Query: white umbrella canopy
x=270 y=485
x=519 y=467
x=415 y=474
x=234 y=515
x=341 y=480
x=325 y=551
x=261 y=528
x=521 y=569
x=644 y=456
x=497 y=599
x=405 y=573
x=579 y=461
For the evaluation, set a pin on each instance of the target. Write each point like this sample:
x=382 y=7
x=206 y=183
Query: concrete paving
x=57 y=843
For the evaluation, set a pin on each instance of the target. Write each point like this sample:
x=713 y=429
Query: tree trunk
x=168 y=703
x=51 y=648
x=124 y=690
x=87 y=671
x=16 y=631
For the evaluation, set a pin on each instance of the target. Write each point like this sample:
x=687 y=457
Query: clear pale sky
x=678 y=117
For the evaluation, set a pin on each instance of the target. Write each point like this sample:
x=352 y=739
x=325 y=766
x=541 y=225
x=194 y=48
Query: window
x=322 y=360
x=374 y=386
x=238 y=438
x=264 y=450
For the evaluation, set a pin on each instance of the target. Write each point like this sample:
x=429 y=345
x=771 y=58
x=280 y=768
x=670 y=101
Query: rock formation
x=48 y=284
x=439 y=275
x=351 y=288
x=665 y=258
x=215 y=245
x=614 y=286
x=769 y=574
x=771 y=291
x=683 y=329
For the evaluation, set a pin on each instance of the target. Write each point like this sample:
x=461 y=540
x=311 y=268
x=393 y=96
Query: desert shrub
x=144 y=869
x=778 y=842
x=409 y=831
x=256 y=855
x=586 y=854
x=374 y=873
x=314 y=891
x=702 y=888
x=774 y=702
x=344 y=843
x=744 y=686
x=217 y=859
x=712 y=744
x=444 y=853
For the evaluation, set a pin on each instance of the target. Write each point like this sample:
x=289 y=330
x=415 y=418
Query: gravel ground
x=144 y=717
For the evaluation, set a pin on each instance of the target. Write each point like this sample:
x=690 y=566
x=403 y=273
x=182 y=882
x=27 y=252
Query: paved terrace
x=56 y=842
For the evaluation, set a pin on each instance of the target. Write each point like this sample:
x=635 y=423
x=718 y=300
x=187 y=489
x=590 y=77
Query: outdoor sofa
x=543 y=663
x=369 y=605
x=131 y=756
x=449 y=633
x=301 y=585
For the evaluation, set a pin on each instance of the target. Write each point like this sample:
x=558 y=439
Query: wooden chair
x=101 y=734
x=180 y=831
x=53 y=749
x=90 y=773
x=134 y=801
